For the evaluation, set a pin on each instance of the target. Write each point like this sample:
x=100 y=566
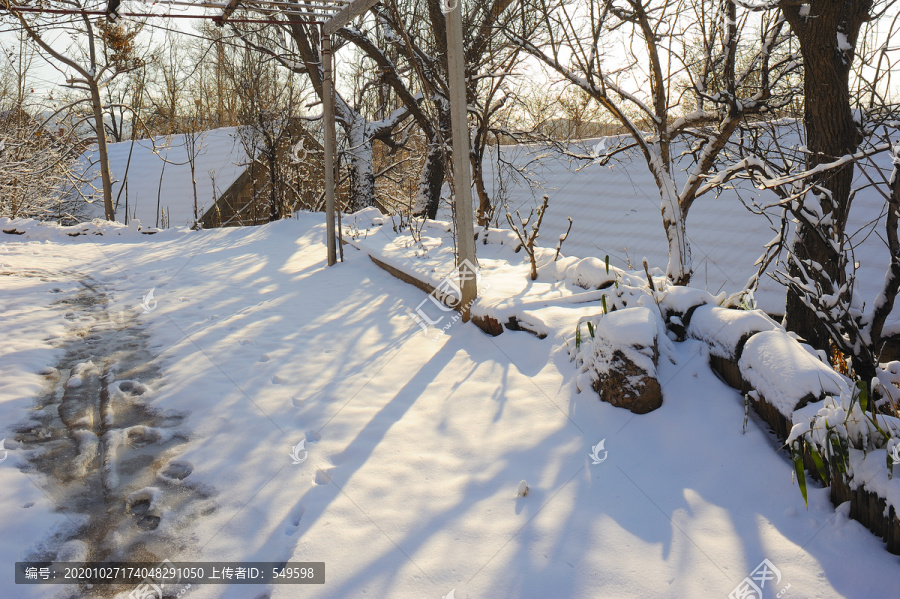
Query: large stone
x=627 y=385
x=621 y=358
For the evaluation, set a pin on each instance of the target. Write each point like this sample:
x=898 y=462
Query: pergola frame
x=309 y=12
x=462 y=174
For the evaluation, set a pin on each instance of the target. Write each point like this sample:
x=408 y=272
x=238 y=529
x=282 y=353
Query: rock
x=622 y=358
x=627 y=385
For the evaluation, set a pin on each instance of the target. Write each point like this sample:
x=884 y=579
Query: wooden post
x=328 y=124
x=462 y=173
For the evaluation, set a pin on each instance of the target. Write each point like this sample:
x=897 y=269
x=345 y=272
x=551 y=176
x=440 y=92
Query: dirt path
x=110 y=460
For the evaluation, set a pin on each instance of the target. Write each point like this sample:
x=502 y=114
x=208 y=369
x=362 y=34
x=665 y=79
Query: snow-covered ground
x=416 y=443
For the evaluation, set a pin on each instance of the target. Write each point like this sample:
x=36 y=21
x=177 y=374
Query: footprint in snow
x=313 y=436
x=323 y=476
x=129 y=388
x=294 y=520
x=176 y=471
x=277 y=380
x=143 y=505
x=264 y=358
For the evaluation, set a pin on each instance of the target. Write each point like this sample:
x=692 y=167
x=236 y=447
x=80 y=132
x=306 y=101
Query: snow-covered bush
x=37 y=172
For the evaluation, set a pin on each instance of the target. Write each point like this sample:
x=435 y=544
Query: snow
x=870 y=471
x=616 y=212
x=867 y=447
x=39 y=230
x=843 y=43
x=723 y=328
x=416 y=444
x=779 y=369
x=633 y=326
x=680 y=299
x=592 y=273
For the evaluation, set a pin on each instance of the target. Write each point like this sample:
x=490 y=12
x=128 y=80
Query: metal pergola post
x=462 y=172
x=344 y=15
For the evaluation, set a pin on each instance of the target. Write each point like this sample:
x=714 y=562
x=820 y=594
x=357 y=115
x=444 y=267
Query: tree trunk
x=362 y=175
x=194 y=186
x=97 y=105
x=679 y=268
x=485 y=208
x=274 y=200
x=828 y=35
x=431 y=181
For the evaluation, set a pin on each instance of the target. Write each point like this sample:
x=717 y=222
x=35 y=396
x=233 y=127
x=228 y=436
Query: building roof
x=158 y=175
x=616 y=212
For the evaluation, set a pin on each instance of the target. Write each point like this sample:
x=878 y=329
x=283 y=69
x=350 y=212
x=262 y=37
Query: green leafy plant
x=828 y=442
x=797 y=459
x=590 y=327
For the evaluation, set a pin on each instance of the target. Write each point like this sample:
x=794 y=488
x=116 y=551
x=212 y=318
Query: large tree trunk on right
x=831 y=132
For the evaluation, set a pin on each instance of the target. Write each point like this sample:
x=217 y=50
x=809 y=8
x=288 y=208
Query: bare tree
x=646 y=92
x=828 y=31
x=824 y=305
x=38 y=169
x=399 y=89
x=99 y=52
x=491 y=61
